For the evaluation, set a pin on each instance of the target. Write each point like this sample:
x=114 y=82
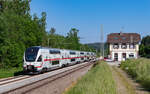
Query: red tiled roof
x=123 y=38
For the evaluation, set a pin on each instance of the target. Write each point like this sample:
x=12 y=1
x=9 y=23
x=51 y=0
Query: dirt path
x=125 y=85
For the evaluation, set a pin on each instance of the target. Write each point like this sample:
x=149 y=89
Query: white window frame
x=116 y=46
x=124 y=46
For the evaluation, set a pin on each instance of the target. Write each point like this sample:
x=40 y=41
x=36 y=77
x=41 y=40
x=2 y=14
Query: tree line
x=145 y=47
x=20 y=30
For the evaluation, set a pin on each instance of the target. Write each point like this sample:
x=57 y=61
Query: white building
x=123 y=45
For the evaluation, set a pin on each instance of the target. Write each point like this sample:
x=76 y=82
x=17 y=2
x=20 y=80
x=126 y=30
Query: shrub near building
x=139 y=69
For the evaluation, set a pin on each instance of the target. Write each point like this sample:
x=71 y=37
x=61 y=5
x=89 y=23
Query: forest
x=20 y=30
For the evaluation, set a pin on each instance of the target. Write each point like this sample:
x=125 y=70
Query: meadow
x=4 y=73
x=98 y=80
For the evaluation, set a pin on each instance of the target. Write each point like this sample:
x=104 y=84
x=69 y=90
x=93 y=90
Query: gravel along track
x=12 y=79
x=9 y=78
x=57 y=81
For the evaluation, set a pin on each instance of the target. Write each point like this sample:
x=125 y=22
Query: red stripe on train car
x=55 y=59
x=39 y=66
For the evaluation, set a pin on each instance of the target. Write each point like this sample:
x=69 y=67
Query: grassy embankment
x=98 y=80
x=4 y=73
x=139 y=69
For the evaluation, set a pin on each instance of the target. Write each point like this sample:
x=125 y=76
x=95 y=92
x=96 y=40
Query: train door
x=45 y=62
x=67 y=57
x=81 y=56
x=63 y=58
x=50 y=57
x=85 y=59
x=77 y=57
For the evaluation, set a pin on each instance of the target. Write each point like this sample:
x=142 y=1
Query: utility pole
x=48 y=42
x=102 y=42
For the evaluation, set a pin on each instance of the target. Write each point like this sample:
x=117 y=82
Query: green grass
x=98 y=80
x=139 y=69
x=4 y=73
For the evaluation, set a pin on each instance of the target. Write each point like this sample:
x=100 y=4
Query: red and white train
x=39 y=59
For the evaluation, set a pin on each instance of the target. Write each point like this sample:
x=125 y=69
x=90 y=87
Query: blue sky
x=88 y=15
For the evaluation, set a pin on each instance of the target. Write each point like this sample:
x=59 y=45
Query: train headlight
x=24 y=65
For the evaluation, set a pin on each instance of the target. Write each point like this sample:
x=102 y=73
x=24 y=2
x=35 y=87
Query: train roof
x=41 y=47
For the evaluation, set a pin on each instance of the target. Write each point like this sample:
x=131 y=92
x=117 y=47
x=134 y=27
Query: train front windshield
x=31 y=54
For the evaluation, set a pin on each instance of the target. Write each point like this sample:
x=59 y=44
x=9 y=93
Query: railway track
x=37 y=81
x=55 y=77
x=10 y=80
x=17 y=78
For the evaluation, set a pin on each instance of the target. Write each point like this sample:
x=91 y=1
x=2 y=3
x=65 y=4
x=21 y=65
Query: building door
x=116 y=56
x=124 y=56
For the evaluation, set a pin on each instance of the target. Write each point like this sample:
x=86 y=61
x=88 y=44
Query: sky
x=88 y=15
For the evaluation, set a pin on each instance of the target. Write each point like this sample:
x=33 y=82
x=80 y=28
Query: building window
x=116 y=46
x=124 y=55
x=132 y=46
x=124 y=46
x=131 y=55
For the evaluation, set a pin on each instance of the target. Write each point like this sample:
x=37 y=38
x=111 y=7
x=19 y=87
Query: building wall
x=120 y=51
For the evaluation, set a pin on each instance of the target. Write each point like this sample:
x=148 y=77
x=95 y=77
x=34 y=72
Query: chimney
x=120 y=33
x=121 y=30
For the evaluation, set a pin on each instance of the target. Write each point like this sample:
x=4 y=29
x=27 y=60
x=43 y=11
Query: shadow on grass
x=19 y=73
x=95 y=64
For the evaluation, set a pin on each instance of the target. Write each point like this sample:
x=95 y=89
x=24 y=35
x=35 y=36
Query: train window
x=55 y=62
x=39 y=59
x=73 y=59
x=72 y=53
x=31 y=54
x=54 y=52
x=82 y=53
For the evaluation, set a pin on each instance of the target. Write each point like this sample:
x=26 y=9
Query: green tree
x=19 y=31
x=145 y=47
x=56 y=40
x=19 y=7
x=52 y=31
x=73 y=39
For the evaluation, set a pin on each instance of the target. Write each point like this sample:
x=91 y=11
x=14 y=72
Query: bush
x=138 y=69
